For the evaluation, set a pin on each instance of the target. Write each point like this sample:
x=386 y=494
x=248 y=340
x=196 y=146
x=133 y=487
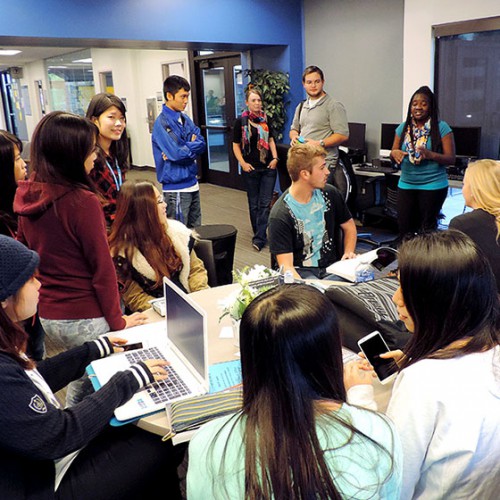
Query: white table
x=225 y=349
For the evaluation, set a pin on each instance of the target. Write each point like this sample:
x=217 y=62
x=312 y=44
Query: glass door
x=221 y=85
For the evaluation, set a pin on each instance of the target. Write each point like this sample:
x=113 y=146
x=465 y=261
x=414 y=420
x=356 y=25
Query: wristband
x=277 y=159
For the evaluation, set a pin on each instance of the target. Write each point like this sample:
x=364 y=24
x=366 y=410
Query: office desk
x=452 y=183
x=224 y=349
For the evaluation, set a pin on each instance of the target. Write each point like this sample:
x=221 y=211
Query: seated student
x=304 y=220
x=47 y=452
x=446 y=399
x=146 y=246
x=296 y=436
x=481 y=191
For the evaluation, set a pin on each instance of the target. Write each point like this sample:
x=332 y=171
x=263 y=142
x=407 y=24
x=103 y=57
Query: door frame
x=228 y=60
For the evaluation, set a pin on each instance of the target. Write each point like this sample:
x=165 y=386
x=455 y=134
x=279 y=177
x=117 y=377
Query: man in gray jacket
x=320 y=120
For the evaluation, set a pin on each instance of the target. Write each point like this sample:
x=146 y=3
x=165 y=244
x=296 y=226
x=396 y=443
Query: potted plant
x=273 y=85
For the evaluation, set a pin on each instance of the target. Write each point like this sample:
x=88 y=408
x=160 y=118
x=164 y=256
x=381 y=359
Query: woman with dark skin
x=423 y=145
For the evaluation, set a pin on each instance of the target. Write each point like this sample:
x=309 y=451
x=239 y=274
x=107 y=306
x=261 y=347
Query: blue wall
x=204 y=22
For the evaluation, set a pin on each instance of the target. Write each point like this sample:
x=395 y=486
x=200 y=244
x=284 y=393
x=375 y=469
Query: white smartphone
x=373 y=345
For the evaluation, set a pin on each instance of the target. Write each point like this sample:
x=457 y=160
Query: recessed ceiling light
x=5 y=52
x=87 y=60
x=58 y=67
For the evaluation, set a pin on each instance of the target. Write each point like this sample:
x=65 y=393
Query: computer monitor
x=356 y=142
x=387 y=131
x=467 y=141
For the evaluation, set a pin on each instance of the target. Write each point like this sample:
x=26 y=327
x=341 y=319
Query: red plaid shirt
x=106 y=184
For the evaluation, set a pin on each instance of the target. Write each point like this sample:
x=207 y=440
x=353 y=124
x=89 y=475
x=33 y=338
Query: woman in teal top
x=296 y=436
x=423 y=146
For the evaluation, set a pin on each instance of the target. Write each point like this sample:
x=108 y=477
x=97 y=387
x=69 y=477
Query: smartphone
x=373 y=345
x=131 y=347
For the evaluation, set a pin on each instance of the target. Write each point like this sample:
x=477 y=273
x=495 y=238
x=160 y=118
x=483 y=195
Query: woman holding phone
x=296 y=435
x=446 y=398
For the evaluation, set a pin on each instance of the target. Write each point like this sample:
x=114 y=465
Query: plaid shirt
x=106 y=185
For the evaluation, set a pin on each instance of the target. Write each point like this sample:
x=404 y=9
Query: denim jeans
x=260 y=186
x=184 y=207
x=72 y=333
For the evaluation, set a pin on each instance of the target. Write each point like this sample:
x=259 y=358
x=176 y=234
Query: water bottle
x=364 y=272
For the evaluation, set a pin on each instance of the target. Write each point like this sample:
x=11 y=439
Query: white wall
x=359 y=46
x=419 y=18
x=35 y=71
x=137 y=76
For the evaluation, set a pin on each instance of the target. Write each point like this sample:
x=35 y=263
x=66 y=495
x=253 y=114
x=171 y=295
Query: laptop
x=184 y=344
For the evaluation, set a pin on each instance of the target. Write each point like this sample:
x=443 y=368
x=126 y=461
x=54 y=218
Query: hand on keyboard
x=157 y=368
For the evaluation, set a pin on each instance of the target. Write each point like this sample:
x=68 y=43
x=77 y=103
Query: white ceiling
x=30 y=54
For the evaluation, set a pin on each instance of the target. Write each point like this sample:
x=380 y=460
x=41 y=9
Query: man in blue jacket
x=176 y=143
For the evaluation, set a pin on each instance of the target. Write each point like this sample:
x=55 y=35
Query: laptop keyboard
x=171 y=388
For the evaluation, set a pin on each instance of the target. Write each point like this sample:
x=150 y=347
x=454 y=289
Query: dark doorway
x=219 y=87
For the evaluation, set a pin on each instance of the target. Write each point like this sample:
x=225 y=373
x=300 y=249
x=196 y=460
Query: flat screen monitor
x=356 y=139
x=387 y=131
x=467 y=141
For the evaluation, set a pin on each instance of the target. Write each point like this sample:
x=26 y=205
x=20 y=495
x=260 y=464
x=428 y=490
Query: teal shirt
x=360 y=469
x=428 y=175
x=312 y=217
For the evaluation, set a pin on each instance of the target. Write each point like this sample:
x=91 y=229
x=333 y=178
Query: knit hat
x=17 y=266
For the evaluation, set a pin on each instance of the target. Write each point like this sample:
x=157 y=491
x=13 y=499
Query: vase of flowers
x=253 y=281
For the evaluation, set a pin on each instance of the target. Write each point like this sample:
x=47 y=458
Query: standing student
x=108 y=112
x=61 y=218
x=321 y=121
x=296 y=436
x=446 y=399
x=481 y=191
x=50 y=453
x=255 y=150
x=12 y=170
x=177 y=141
x=423 y=146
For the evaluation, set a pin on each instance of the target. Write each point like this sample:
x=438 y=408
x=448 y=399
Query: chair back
x=205 y=252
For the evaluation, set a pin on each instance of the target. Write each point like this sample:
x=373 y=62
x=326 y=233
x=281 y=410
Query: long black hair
x=292 y=368
x=119 y=150
x=60 y=145
x=434 y=116
x=450 y=292
x=8 y=183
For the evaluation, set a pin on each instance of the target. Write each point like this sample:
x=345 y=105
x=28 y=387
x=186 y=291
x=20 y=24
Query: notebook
x=184 y=344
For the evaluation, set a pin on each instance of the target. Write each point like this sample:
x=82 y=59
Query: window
x=467 y=69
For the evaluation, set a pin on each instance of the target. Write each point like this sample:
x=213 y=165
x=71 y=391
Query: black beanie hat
x=17 y=266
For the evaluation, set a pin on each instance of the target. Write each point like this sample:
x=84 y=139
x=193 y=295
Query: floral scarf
x=262 y=131
x=419 y=139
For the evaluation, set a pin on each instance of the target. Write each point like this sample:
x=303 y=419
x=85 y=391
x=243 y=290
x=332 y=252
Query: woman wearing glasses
x=146 y=247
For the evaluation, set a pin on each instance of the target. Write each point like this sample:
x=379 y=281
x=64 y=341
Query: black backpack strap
x=301 y=105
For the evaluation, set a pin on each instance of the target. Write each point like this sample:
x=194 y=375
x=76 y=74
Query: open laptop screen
x=185 y=326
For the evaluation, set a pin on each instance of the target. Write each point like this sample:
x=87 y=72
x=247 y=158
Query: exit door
x=220 y=83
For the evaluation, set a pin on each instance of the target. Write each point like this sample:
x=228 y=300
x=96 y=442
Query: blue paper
x=224 y=375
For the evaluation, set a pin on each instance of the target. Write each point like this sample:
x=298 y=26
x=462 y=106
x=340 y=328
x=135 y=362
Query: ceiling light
x=5 y=52
x=87 y=60
x=58 y=67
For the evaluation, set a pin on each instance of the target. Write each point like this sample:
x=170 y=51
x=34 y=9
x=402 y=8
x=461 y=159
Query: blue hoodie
x=173 y=138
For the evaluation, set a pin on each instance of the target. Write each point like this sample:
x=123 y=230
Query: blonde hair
x=484 y=181
x=300 y=157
